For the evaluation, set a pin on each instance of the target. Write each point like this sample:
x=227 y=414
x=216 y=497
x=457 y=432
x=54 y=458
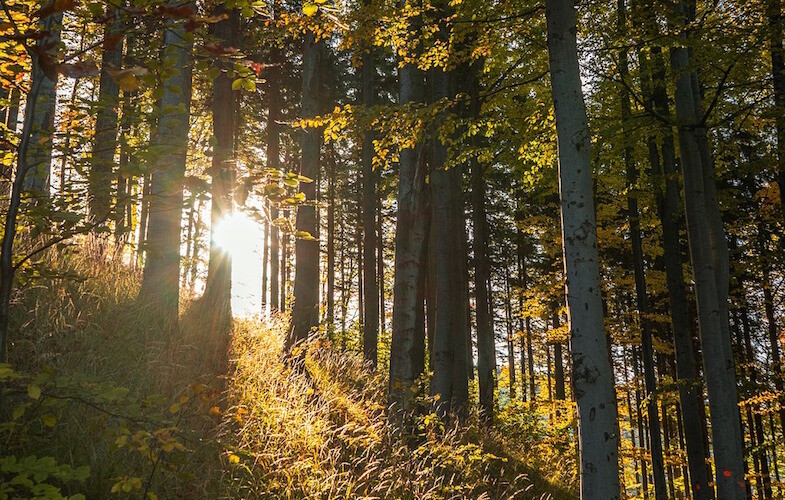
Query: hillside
x=99 y=404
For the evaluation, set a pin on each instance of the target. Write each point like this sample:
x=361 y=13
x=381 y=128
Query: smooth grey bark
x=305 y=309
x=217 y=298
x=39 y=155
x=160 y=282
x=710 y=283
x=370 y=238
x=106 y=124
x=592 y=373
x=411 y=234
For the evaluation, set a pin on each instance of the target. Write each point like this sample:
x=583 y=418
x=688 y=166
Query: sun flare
x=242 y=238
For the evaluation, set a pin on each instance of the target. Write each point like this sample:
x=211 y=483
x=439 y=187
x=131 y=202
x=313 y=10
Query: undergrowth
x=100 y=402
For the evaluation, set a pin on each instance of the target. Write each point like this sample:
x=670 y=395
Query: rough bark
x=592 y=373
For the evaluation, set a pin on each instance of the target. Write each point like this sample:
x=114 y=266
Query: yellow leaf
x=129 y=83
x=34 y=391
x=215 y=411
x=233 y=459
x=49 y=420
x=310 y=9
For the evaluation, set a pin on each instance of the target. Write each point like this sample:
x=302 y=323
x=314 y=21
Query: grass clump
x=322 y=432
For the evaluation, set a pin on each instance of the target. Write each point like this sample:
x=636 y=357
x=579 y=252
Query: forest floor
x=98 y=402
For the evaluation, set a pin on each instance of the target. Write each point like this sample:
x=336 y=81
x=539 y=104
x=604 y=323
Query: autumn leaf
x=310 y=9
x=219 y=50
x=79 y=69
x=56 y=7
x=113 y=40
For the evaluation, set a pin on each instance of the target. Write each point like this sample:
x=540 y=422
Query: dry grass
x=245 y=426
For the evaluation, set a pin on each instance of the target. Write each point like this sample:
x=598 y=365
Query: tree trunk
x=305 y=310
x=274 y=163
x=774 y=14
x=370 y=238
x=105 y=141
x=668 y=208
x=411 y=234
x=331 y=244
x=714 y=329
x=592 y=372
x=641 y=294
x=510 y=337
x=558 y=369
x=27 y=160
x=39 y=160
x=217 y=298
x=160 y=282
x=486 y=347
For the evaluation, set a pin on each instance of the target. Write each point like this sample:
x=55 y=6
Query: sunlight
x=241 y=237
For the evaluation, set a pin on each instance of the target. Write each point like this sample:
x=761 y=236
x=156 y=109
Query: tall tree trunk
x=28 y=159
x=105 y=141
x=668 y=208
x=331 y=244
x=641 y=294
x=39 y=155
x=756 y=421
x=380 y=264
x=771 y=322
x=305 y=310
x=450 y=366
x=370 y=238
x=710 y=275
x=592 y=372
x=217 y=298
x=274 y=163
x=407 y=349
x=558 y=369
x=486 y=347
x=510 y=336
x=160 y=282
x=774 y=15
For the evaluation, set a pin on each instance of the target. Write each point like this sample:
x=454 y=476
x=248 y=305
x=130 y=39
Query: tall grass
x=206 y=414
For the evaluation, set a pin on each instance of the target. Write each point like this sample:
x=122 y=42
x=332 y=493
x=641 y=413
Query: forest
x=417 y=249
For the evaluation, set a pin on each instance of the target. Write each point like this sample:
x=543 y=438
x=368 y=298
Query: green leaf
x=33 y=391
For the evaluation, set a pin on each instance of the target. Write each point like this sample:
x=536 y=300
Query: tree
x=710 y=275
x=161 y=278
x=218 y=290
x=106 y=123
x=305 y=310
x=592 y=374
x=407 y=349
